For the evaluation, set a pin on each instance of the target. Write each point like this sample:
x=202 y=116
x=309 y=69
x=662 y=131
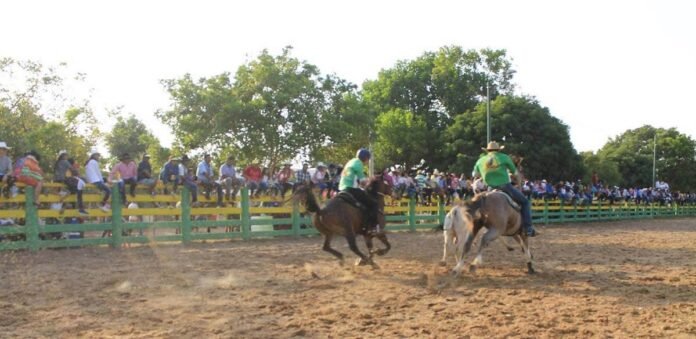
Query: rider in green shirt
x=352 y=177
x=494 y=168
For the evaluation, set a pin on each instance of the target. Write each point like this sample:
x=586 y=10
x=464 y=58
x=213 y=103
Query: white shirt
x=92 y=172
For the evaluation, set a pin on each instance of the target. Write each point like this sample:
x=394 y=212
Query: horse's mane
x=373 y=185
x=475 y=203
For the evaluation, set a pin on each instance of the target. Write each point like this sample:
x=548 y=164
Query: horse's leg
x=369 y=245
x=463 y=247
x=524 y=242
x=352 y=244
x=490 y=235
x=383 y=238
x=327 y=248
x=505 y=243
x=449 y=243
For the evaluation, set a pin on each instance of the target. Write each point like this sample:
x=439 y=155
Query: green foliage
x=526 y=129
x=276 y=107
x=400 y=136
x=632 y=151
x=607 y=170
x=37 y=114
x=438 y=86
x=130 y=136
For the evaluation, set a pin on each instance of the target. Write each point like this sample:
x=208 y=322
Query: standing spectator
x=252 y=176
x=29 y=172
x=6 y=177
x=94 y=176
x=302 y=177
x=145 y=174
x=228 y=179
x=170 y=173
x=125 y=172
x=205 y=176
x=284 y=179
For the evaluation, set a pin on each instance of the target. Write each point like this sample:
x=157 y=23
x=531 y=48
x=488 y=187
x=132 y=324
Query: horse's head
x=378 y=185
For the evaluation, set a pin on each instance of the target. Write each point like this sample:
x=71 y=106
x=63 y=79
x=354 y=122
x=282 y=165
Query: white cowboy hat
x=321 y=164
x=93 y=151
x=62 y=152
x=4 y=145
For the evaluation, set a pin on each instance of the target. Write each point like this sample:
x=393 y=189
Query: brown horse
x=493 y=211
x=339 y=217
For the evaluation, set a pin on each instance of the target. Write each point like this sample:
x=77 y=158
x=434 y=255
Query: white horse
x=463 y=222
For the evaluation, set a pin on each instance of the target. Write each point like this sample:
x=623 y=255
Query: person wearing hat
x=145 y=174
x=65 y=173
x=93 y=175
x=302 y=176
x=6 y=178
x=352 y=178
x=125 y=172
x=252 y=176
x=205 y=176
x=493 y=169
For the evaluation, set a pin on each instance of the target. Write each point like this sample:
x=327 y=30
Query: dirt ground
x=621 y=280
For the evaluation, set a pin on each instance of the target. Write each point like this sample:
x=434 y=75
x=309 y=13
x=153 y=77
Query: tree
x=275 y=109
x=37 y=114
x=130 y=135
x=526 y=129
x=607 y=170
x=400 y=136
x=438 y=86
x=632 y=151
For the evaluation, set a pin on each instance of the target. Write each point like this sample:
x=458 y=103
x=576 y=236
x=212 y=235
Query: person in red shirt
x=252 y=176
x=284 y=179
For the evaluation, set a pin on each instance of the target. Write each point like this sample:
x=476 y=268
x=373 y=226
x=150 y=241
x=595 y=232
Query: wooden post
x=295 y=218
x=116 y=215
x=31 y=220
x=185 y=216
x=246 y=215
x=412 y=214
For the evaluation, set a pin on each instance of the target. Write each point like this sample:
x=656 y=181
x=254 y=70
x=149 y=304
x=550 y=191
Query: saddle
x=350 y=199
x=512 y=203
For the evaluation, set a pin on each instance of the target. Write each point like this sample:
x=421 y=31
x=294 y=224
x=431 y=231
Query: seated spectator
x=302 y=176
x=252 y=177
x=93 y=174
x=66 y=173
x=205 y=176
x=319 y=178
x=6 y=177
x=188 y=179
x=284 y=179
x=170 y=174
x=229 y=180
x=125 y=172
x=145 y=174
x=28 y=171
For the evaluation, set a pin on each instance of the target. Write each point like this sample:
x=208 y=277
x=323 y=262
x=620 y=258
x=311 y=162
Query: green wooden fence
x=248 y=222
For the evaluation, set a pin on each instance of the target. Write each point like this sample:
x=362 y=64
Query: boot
x=531 y=232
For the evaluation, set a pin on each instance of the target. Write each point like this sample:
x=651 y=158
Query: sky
x=601 y=67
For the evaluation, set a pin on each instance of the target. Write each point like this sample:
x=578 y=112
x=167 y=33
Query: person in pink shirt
x=125 y=172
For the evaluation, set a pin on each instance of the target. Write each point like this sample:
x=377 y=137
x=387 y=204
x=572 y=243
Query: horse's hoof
x=442 y=263
x=531 y=272
x=472 y=269
x=510 y=249
x=360 y=262
x=374 y=266
x=381 y=252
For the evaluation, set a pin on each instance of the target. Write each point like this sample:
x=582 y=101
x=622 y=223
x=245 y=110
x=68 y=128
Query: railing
x=246 y=221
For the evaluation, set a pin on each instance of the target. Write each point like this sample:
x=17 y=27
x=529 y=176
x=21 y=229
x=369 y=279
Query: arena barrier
x=177 y=221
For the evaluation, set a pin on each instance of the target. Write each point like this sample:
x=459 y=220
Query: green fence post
x=31 y=220
x=246 y=215
x=296 y=219
x=599 y=210
x=116 y=215
x=562 y=212
x=412 y=214
x=185 y=216
x=546 y=212
x=441 y=212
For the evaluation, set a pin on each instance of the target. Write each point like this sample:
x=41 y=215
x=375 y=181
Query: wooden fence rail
x=245 y=221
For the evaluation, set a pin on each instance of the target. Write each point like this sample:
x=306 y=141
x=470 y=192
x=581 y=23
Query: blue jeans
x=107 y=192
x=526 y=206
